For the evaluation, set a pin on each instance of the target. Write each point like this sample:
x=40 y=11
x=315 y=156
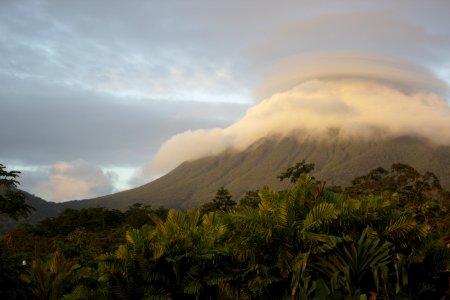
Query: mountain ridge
x=337 y=161
x=42 y=210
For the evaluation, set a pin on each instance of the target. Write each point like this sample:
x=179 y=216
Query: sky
x=101 y=96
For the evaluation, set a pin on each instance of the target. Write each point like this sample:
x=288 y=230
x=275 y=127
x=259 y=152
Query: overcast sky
x=90 y=90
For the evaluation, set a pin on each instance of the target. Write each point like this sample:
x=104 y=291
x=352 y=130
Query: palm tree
x=281 y=245
x=306 y=242
x=349 y=265
x=50 y=279
x=130 y=272
x=190 y=244
x=175 y=258
x=273 y=243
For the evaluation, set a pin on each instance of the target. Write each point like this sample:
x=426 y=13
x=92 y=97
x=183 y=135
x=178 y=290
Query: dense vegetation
x=380 y=238
x=12 y=201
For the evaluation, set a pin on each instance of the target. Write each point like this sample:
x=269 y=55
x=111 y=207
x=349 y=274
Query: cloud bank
x=355 y=107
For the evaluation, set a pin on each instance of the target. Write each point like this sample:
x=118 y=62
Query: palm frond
x=323 y=213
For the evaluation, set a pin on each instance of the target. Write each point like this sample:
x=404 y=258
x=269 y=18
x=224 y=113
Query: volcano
x=337 y=161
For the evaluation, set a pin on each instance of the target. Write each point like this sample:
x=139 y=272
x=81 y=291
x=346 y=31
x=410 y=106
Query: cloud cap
x=351 y=107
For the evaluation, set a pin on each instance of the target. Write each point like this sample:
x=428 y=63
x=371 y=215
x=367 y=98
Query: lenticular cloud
x=313 y=108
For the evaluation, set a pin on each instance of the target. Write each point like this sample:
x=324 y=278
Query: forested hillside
x=42 y=209
x=337 y=161
x=382 y=237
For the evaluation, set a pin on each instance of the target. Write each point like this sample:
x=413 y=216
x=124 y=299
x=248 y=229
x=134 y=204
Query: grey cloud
x=113 y=45
x=404 y=75
x=44 y=126
x=399 y=42
x=107 y=45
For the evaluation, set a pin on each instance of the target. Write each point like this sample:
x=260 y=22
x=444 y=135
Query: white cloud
x=357 y=108
x=73 y=180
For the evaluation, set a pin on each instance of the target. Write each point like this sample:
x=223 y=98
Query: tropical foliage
x=306 y=242
x=12 y=201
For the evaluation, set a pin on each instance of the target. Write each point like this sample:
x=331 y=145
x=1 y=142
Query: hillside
x=337 y=162
x=43 y=209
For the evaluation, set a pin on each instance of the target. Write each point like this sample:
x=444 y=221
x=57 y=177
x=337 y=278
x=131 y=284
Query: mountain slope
x=43 y=209
x=336 y=161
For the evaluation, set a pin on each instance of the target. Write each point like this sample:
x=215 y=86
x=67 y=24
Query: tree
x=12 y=201
x=129 y=272
x=52 y=278
x=352 y=266
x=411 y=186
x=137 y=215
x=189 y=246
x=306 y=242
x=295 y=172
x=11 y=266
x=12 y=204
x=176 y=258
x=270 y=247
x=221 y=202
x=421 y=193
x=250 y=199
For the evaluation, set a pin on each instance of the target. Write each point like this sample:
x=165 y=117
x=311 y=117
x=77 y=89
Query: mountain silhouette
x=337 y=161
